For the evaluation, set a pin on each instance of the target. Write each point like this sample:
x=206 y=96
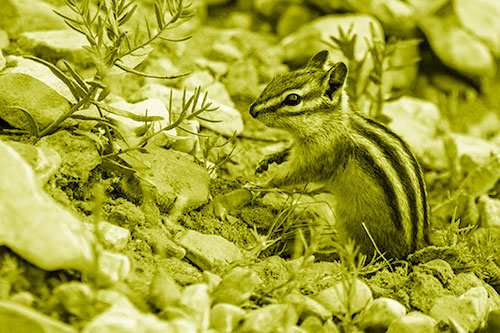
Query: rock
x=493 y=322
x=329 y=6
x=481 y=179
x=270 y=8
x=239 y=20
x=53 y=45
x=307 y=307
x=396 y=16
x=126 y=318
x=293 y=17
x=181 y=271
x=181 y=184
x=44 y=161
x=236 y=287
x=455 y=47
x=112 y=268
x=23 y=298
x=379 y=314
x=403 y=72
x=463 y=282
x=312 y=324
x=481 y=19
x=78 y=299
x=229 y=203
x=270 y=318
x=229 y=119
x=427 y=7
x=134 y=130
x=423 y=289
x=417 y=122
x=415 y=322
x=28 y=15
x=309 y=39
x=79 y=154
x=215 y=89
x=437 y=268
x=208 y=251
x=2 y=58
x=224 y=52
x=196 y=298
x=242 y=80
x=489 y=210
x=19 y=318
x=34 y=226
x=42 y=102
x=113 y=235
x=224 y=317
x=41 y=72
x=336 y=299
x=163 y=290
x=467 y=310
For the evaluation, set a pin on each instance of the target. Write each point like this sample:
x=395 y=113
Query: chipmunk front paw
x=278 y=158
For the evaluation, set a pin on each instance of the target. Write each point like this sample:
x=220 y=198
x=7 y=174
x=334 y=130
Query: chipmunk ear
x=318 y=60
x=336 y=77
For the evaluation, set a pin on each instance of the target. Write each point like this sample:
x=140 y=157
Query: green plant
x=114 y=46
x=380 y=52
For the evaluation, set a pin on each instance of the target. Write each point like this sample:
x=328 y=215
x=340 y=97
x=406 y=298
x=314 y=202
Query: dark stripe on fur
x=373 y=169
x=418 y=173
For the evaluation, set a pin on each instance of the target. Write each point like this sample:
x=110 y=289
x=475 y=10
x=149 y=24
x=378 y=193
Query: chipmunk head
x=304 y=97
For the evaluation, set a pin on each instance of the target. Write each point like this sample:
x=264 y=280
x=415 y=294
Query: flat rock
x=181 y=184
x=208 y=251
x=236 y=287
x=45 y=161
x=380 y=313
x=270 y=318
x=40 y=72
x=53 y=45
x=228 y=118
x=415 y=322
x=79 y=154
x=480 y=17
x=19 y=318
x=455 y=46
x=467 y=310
x=28 y=15
x=43 y=103
x=335 y=298
x=34 y=226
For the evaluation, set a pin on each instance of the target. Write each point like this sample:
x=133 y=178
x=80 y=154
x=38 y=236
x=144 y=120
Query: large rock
x=18 y=318
x=28 y=15
x=228 y=118
x=43 y=103
x=455 y=46
x=480 y=17
x=309 y=39
x=208 y=252
x=40 y=72
x=53 y=45
x=181 y=184
x=34 y=226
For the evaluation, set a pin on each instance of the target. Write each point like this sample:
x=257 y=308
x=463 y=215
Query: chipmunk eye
x=292 y=99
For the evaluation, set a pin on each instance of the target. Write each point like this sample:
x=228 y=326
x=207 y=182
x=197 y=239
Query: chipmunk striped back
x=377 y=180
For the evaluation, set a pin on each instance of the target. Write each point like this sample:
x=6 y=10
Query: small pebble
x=335 y=299
x=415 y=322
x=225 y=317
x=380 y=313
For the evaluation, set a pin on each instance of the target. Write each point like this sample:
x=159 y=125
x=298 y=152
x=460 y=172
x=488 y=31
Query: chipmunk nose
x=253 y=113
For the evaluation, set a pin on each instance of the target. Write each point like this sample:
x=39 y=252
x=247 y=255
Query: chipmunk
x=378 y=183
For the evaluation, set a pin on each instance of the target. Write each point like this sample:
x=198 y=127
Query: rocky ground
x=140 y=211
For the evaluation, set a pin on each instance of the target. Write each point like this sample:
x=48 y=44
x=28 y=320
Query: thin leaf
x=133 y=71
x=209 y=120
x=33 y=126
x=159 y=18
x=124 y=19
x=75 y=76
x=127 y=114
x=174 y=40
x=76 y=90
x=67 y=18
